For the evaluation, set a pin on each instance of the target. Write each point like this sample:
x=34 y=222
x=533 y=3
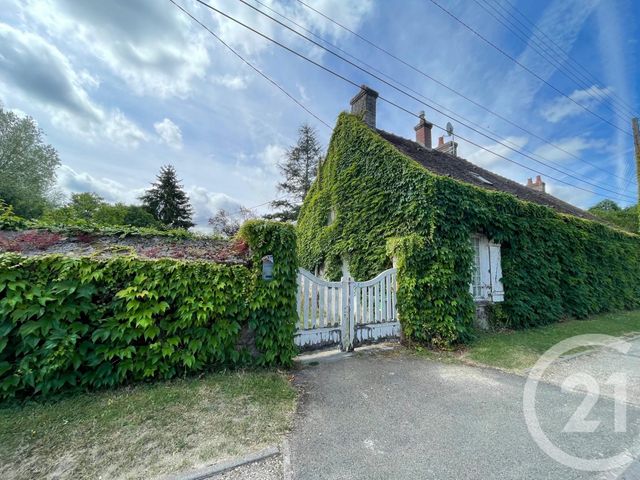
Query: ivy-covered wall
x=87 y=323
x=385 y=204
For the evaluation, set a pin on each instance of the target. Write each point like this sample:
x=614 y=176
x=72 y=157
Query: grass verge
x=519 y=350
x=146 y=431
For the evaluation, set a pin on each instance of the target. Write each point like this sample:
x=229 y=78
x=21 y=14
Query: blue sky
x=123 y=87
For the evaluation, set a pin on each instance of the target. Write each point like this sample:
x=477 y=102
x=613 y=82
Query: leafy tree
x=8 y=219
x=90 y=208
x=167 y=201
x=80 y=209
x=299 y=169
x=605 y=206
x=121 y=214
x=611 y=212
x=110 y=214
x=137 y=216
x=27 y=165
x=86 y=204
x=228 y=224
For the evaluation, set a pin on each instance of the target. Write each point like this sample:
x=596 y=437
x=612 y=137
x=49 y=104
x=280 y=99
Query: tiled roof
x=460 y=169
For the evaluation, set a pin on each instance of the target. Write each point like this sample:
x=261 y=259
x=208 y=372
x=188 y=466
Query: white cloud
x=121 y=130
x=568 y=148
x=562 y=20
x=38 y=71
x=169 y=133
x=618 y=72
x=41 y=71
x=352 y=13
x=232 y=82
x=485 y=159
x=206 y=204
x=271 y=156
x=562 y=107
x=19 y=113
x=151 y=45
x=574 y=196
x=70 y=181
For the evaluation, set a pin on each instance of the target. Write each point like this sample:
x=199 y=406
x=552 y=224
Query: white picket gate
x=346 y=313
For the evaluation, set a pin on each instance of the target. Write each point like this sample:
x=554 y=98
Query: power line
x=257 y=70
x=351 y=82
x=413 y=97
x=563 y=61
x=262 y=74
x=607 y=96
x=237 y=212
x=560 y=48
x=293 y=22
x=465 y=97
x=539 y=48
x=524 y=67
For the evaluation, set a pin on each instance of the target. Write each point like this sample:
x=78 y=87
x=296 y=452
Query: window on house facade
x=486 y=280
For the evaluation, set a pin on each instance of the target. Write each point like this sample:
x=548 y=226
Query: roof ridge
x=511 y=187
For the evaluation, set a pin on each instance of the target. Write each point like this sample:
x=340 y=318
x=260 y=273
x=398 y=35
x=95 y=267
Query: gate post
x=347 y=302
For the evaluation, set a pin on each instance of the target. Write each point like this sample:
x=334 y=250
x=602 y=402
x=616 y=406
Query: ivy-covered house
x=461 y=236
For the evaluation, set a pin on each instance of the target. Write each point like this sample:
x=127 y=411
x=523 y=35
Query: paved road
x=620 y=357
x=394 y=415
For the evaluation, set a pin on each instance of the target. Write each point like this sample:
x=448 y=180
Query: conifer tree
x=299 y=170
x=167 y=201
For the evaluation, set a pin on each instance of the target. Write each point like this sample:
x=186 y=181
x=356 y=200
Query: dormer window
x=481 y=178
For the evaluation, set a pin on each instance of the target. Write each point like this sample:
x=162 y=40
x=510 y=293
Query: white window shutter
x=485 y=273
x=495 y=269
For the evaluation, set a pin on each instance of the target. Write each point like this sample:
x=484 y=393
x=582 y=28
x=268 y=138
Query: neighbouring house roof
x=460 y=169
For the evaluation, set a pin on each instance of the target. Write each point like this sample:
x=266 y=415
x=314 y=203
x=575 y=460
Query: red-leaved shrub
x=36 y=240
x=151 y=252
x=9 y=245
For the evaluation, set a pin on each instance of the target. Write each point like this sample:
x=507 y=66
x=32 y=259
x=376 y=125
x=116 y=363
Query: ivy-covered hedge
x=385 y=204
x=70 y=323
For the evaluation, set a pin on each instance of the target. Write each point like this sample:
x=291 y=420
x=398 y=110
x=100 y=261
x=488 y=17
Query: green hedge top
x=554 y=265
x=87 y=323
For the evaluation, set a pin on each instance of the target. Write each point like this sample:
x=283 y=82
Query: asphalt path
x=397 y=415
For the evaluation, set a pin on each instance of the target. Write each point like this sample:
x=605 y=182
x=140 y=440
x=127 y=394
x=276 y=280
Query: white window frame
x=486 y=280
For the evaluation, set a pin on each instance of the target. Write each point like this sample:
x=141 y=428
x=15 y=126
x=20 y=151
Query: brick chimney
x=364 y=105
x=449 y=147
x=538 y=185
x=423 y=132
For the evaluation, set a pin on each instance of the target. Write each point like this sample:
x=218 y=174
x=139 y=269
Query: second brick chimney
x=423 y=132
x=538 y=185
x=449 y=147
x=364 y=105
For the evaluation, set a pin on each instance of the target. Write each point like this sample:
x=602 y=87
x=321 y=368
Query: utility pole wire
x=465 y=97
x=588 y=74
x=413 y=97
x=256 y=69
x=449 y=112
x=532 y=41
x=524 y=67
x=351 y=82
x=609 y=98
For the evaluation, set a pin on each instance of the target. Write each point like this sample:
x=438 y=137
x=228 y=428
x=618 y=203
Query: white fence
x=347 y=312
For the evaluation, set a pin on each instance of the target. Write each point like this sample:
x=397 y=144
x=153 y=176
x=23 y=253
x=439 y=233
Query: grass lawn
x=148 y=430
x=519 y=350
